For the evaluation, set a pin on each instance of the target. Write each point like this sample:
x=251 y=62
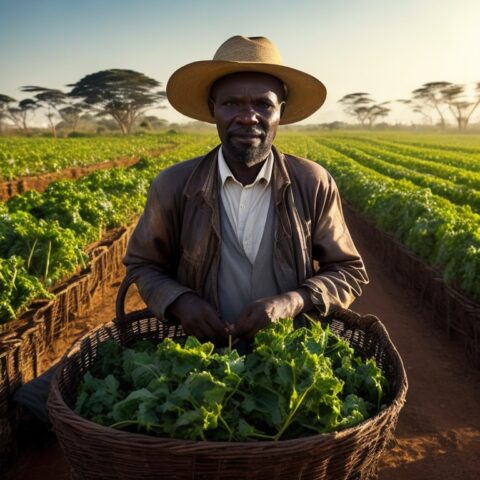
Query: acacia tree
x=19 y=114
x=430 y=95
x=51 y=99
x=356 y=105
x=72 y=113
x=417 y=108
x=5 y=102
x=461 y=108
x=58 y=105
x=121 y=94
x=360 y=106
x=377 y=111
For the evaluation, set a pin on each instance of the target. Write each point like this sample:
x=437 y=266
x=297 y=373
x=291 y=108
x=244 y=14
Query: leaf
x=128 y=409
x=287 y=387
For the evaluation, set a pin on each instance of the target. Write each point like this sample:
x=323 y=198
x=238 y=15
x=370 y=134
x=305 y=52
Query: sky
x=384 y=47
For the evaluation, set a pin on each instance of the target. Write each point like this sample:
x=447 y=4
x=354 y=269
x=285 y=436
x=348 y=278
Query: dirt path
x=438 y=435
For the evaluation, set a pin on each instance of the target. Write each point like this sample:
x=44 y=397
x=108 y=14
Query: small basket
x=98 y=452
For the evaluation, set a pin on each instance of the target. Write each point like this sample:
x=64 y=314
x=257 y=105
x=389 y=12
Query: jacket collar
x=203 y=178
x=281 y=178
x=203 y=181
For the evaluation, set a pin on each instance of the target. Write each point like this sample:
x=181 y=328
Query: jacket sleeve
x=152 y=252
x=340 y=272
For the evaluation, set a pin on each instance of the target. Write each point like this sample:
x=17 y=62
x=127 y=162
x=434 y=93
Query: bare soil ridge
x=9 y=188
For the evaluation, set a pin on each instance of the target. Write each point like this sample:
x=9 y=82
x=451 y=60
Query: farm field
x=43 y=237
x=429 y=198
x=20 y=157
x=429 y=205
x=423 y=189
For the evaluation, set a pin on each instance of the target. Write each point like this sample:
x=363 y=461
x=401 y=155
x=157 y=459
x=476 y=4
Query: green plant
x=294 y=383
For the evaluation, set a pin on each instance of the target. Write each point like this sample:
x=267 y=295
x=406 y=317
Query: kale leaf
x=294 y=383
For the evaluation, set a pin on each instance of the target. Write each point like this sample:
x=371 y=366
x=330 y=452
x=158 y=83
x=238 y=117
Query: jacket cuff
x=158 y=303
x=319 y=298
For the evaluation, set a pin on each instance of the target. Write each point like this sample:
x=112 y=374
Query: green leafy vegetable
x=294 y=383
x=17 y=288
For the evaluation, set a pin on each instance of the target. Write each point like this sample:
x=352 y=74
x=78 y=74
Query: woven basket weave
x=97 y=452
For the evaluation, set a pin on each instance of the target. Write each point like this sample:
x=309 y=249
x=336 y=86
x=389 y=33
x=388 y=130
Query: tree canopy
x=441 y=96
x=49 y=98
x=16 y=112
x=122 y=94
x=360 y=106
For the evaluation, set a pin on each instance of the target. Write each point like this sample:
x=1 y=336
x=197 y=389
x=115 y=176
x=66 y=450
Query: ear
x=211 y=106
x=282 y=108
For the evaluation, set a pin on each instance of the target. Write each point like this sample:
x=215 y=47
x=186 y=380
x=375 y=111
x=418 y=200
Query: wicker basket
x=97 y=452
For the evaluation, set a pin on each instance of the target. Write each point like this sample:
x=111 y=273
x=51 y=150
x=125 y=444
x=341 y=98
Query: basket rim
x=56 y=402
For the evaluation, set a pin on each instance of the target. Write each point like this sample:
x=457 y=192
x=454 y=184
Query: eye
x=265 y=104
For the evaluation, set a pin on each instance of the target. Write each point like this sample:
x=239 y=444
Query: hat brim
x=189 y=87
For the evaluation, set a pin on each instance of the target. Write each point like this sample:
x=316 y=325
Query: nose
x=247 y=116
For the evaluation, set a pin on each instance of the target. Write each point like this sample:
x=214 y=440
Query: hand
x=264 y=311
x=198 y=318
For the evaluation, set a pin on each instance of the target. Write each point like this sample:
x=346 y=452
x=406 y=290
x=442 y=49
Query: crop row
x=440 y=142
x=460 y=144
x=446 y=235
x=456 y=193
x=439 y=155
x=456 y=175
x=43 y=236
x=32 y=156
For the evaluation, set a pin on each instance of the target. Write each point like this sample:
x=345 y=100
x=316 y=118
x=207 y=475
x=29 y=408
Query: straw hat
x=189 y=87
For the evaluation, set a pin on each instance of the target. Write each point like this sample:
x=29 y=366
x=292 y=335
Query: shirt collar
x=225 y=173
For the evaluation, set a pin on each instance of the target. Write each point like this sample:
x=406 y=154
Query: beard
x=249 y=154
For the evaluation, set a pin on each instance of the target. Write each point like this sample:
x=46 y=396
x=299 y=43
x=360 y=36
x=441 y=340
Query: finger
x=187 y=328
x=239 y=326
x=193 y=326
x=205 y=321
x=218 y=326
x=242 y=327
x=250 y=332
x=255 y=321
x=207 y=333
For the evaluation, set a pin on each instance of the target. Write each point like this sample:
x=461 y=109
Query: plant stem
x=30 y=255
x=227 y=427
x=47 y=263
x=292 y=413
x=12 y=282
x=124 y=423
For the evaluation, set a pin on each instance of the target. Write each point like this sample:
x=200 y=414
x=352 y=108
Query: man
x=244 y=235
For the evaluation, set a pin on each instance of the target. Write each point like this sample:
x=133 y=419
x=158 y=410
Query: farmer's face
x=247 y=108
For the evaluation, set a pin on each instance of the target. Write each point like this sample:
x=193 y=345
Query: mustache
x=257 y=131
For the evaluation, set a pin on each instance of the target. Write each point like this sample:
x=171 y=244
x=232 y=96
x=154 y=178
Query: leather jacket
x=175 y=247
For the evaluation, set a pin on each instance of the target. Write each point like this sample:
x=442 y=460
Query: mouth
x=247 y=137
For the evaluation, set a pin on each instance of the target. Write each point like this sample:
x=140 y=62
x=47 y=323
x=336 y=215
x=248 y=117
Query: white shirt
x=246 y=206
